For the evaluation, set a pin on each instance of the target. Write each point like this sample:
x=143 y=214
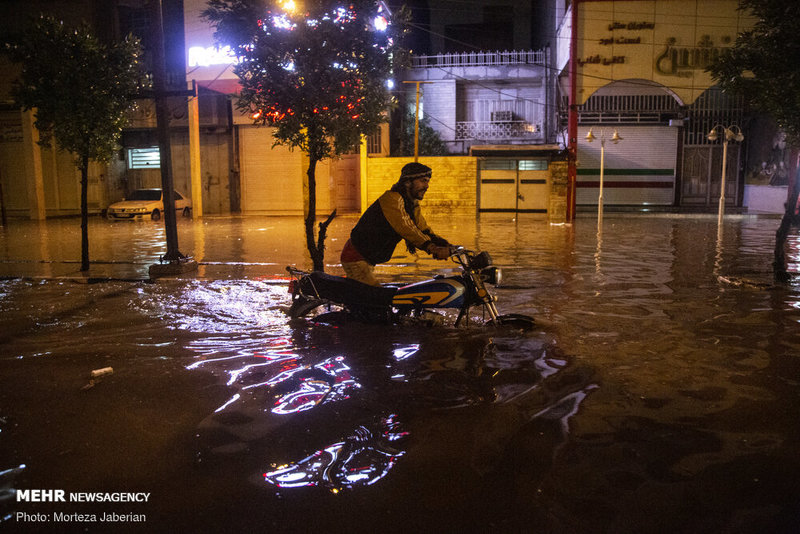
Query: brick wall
x=453 y=186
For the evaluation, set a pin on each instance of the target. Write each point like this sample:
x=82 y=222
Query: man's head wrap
x=414 y=170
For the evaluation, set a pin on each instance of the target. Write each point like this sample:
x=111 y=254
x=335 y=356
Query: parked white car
x=147 y=202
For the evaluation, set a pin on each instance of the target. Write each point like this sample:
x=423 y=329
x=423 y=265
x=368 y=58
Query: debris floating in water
x=96 y=375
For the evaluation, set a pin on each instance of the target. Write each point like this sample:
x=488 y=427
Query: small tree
x=761 y=67
x=430 y=142
x=317 y=75
x=82 y=92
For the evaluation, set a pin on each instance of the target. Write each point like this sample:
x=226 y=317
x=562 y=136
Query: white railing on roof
x=480 y=59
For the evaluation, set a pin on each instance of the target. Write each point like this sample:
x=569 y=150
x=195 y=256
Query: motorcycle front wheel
x=514 y=320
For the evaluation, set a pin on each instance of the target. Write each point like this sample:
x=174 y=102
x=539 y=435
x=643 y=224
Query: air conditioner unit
x=501 y=116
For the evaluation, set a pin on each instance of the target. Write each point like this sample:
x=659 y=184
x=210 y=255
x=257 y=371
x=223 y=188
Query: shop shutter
x=639 y=170
x=271 y=177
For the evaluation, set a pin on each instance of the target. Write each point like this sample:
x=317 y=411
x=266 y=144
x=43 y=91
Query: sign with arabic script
x=668 y=43
x=682 y=60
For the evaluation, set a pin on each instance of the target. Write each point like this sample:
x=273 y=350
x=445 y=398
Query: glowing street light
x=616 y=139
x=732 y=132
x=380 y=23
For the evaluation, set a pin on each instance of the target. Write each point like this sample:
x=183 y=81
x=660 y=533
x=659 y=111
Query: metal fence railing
x=488 y=131
x=480 y=59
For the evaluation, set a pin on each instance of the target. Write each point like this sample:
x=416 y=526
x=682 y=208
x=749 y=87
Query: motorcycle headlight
x=492 y=275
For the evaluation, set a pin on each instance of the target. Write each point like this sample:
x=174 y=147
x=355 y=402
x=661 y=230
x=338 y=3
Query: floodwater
x=658 y=393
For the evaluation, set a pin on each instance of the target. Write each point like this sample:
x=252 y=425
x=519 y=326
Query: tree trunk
x=790 y=218
x=316 y=248
x=84 y=213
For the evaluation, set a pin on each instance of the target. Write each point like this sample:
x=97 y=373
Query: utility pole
x=416 y=122
x=173 y=262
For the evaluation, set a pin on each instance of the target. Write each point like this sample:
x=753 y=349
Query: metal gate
x=702 y=175
x=511 y=185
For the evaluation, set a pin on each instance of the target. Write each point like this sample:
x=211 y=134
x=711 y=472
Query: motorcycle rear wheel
x=303 y=307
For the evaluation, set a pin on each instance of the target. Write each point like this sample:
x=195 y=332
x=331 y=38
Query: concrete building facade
x=638 y=68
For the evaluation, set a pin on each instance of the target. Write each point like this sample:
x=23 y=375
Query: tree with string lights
x=315 y=71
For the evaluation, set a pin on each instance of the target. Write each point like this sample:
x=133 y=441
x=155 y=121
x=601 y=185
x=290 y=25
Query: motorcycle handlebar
x=458 y=249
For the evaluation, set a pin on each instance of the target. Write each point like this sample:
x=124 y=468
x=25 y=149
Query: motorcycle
x=399 y=304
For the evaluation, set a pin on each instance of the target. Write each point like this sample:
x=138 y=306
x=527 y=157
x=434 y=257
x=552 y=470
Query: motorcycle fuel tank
x=438 y=293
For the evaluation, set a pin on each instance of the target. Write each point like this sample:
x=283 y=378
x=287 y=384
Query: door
x=346 y=183
x=702 y=175
x=510 y=185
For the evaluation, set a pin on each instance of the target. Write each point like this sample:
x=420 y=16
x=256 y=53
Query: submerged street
x=658 y=391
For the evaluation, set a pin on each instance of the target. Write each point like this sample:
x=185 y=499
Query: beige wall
x=453 y=185
x=667 y=41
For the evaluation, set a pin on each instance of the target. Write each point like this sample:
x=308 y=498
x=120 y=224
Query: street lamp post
x=732 y=132
x=590 y=137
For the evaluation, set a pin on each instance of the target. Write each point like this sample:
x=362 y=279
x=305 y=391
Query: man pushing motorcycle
x=395 y=216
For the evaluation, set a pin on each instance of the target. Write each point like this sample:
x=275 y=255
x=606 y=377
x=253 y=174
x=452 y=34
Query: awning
x=514 y=151
x=226 y=86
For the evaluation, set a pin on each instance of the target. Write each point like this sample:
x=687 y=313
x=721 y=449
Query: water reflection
x=362 y=459
x=666 y=367
x=305 y=387
x=296 y=389
x=296 y=395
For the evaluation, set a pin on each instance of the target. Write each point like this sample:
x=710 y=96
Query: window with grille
x=374 y=143
x=533 y=165
x=144 y=158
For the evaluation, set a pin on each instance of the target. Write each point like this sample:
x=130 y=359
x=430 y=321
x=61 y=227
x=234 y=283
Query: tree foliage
x=317 y=74
x=81 y=90
x=761 y=65
x=430 y=142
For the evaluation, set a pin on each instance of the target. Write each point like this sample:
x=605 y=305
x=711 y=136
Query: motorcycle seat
x=347 y=291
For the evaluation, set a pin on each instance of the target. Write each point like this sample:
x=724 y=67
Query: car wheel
x=156 y=215
x=187 y=212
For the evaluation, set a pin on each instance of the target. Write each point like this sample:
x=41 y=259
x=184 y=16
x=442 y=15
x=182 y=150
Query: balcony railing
x=480 y=59
x=489 y=131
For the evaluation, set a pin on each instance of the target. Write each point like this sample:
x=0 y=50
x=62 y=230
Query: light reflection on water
x=393 y=380
x=362 y=459
x=664 y=365
x=284 y=376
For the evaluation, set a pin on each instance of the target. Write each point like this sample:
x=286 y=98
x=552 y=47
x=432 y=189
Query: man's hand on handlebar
x=440 y=253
